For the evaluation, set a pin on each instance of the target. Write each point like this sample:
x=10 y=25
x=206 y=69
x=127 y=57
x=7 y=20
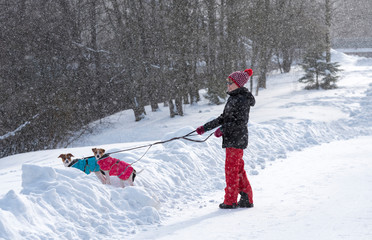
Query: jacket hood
x=243 y=92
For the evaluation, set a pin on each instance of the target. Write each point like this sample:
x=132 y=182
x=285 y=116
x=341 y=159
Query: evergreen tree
x=319 y=73
x=330 y=75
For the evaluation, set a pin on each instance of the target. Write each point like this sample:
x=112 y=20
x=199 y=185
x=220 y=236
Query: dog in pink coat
x=114 y=167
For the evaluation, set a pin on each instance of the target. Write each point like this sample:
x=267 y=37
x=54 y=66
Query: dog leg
x=107 y=177
x=130 y=179
x=127 y=182
x=100 y=177
x=122 y=184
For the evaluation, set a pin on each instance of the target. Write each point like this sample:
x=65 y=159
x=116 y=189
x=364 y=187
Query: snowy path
x=323 y=192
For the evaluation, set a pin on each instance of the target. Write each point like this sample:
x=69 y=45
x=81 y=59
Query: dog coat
x=87 y=165
x=116 y=167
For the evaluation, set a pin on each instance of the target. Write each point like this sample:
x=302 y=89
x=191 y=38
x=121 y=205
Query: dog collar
x=104 y=156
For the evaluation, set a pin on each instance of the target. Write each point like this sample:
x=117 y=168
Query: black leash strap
x=185 y=137
x=73 y=162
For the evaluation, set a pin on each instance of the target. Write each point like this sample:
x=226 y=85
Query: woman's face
x=231 y=86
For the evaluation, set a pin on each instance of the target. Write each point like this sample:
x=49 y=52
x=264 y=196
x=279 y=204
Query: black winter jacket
x=234 y=119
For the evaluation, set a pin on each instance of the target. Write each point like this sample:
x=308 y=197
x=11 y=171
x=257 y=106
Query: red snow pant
x=236 y=177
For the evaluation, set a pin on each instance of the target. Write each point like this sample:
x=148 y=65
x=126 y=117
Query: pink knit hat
x=241 y=77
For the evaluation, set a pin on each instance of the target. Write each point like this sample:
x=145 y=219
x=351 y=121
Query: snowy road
x=324 y=192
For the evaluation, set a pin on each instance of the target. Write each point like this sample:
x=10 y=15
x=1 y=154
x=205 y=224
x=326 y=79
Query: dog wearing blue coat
x=87 y=165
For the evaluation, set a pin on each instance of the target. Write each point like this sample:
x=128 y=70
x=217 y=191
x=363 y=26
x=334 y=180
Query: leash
x=185 y=137
x=73 y=162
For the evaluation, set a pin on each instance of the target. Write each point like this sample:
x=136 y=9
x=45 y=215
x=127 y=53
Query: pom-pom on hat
x=241 y=77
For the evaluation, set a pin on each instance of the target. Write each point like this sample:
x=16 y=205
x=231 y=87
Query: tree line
x=66 y=63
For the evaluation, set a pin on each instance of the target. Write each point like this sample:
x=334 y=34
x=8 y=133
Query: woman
x=233 y=128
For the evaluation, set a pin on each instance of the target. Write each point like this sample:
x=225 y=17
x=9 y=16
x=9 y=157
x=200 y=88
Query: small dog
x=114 y=167
x=66 y=159
x=86 y=165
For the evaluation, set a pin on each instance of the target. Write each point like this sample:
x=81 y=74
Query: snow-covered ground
x=355 y=50
x=323 y=192
x=309 y=163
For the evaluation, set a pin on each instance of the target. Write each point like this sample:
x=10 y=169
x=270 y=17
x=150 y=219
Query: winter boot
x=225 y=206
x=244 y=201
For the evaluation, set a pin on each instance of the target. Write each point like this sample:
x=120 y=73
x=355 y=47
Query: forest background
x=66 y=63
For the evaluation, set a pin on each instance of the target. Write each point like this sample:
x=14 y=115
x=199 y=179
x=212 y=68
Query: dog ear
x=70 y=155
x=61 y=156
x=94 y=149
x=103 y=151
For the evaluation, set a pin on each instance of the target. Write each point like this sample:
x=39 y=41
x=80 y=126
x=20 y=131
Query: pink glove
x=200 y=130
x=218 y=133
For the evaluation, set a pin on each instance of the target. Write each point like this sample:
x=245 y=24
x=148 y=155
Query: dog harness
x=116 y=167
x=87 y=165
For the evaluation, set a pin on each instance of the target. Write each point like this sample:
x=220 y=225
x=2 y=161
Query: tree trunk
x=172 y=111
x=93 y=31
x=287 y=61
x=253 y=62
x=179 y=107
x=138 y=109
x=328 y=29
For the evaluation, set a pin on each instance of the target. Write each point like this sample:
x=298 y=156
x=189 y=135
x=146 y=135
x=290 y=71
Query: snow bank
x=65 y=204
